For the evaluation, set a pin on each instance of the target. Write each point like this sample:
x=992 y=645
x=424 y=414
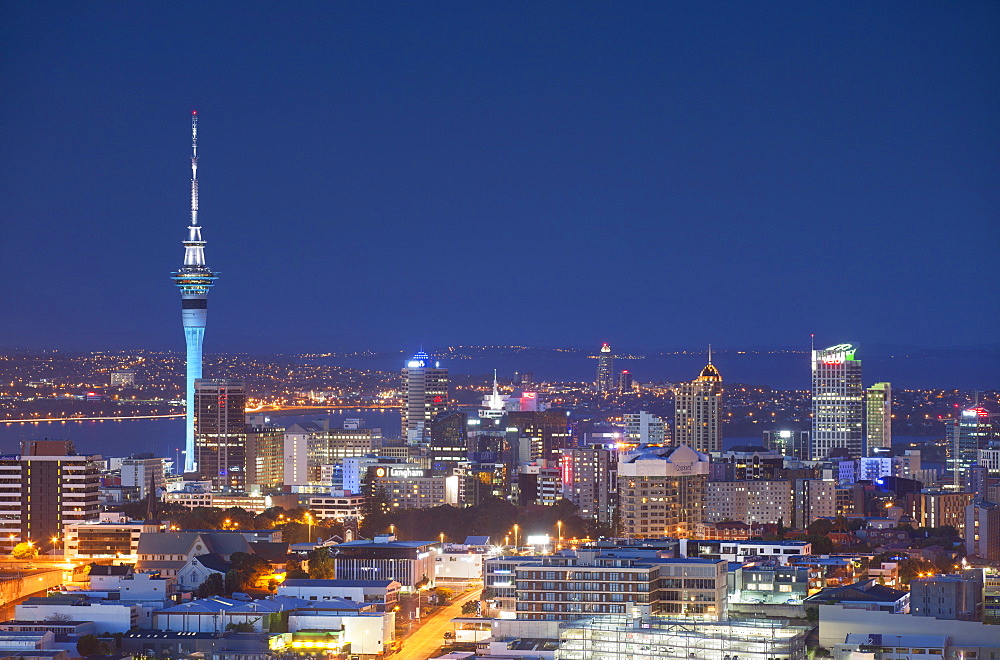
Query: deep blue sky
x=657 y=175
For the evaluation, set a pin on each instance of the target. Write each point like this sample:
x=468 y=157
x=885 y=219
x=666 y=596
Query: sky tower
x=194 y=279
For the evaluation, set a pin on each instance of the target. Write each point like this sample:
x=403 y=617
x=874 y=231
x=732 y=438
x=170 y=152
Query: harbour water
x=162 y=437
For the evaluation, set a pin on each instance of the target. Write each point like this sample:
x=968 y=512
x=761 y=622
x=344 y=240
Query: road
x=428 y=638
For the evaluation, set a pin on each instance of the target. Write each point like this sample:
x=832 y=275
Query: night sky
x=386 y=174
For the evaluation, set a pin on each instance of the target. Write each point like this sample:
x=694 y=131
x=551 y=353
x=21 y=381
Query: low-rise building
x=108 y=616
x=744 y=551
x=411 y=563
x=106 y=539
x=339 y=505
x=570 y=585
x=383 y=594
x=643 y=636
x=958 y=597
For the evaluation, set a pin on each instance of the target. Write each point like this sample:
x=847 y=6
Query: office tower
x=837 y=402
x=644 y=428
x=539 y=482
x=194 y=279
x=589 y=481
x=661 y=491
x=965 y=436
x=221 y=432
x=698 y=411
x=878 y=403
x=45 y=488
x=605 y=382
x=538 y=435
x=265 y=455
x=976 y=480
x=146 y=474
x=625 y=383
x=794 y=444
x=425 y=396
x=449 y=442
x=982 y=530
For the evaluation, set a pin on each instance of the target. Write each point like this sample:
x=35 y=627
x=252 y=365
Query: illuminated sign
x=399 y=472
x=837 y=354
x=784 y=434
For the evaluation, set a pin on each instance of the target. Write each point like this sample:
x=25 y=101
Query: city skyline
x=539 y=147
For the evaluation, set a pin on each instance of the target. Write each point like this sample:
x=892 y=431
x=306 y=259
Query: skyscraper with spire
x=194 y=279
x=604 y=383
x=698 y=410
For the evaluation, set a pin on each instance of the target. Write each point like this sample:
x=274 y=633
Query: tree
x=88 y=645
x=821 y=545
x=246 y=569
x=443 y=595
x=293 y=570
x=819 y=527
x=240 y=627
x=25 y=551
x=470 y=607
x=321 y=564
x=213 y=585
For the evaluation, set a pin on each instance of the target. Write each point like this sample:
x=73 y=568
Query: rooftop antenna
x=710 y=354
x=812 y=342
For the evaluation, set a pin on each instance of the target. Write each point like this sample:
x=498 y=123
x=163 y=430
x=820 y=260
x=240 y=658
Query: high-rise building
x=449 y=442
x=45 y=488
x=425 y=396
x=194 y=279
x=794 y=444
x=970 y=432
x=604 y=384
x=878 y=404
x=661 y=491
x=812 y=499
x=937 y=508
x=265 y=455
x=221 y=433
x=698 y=411
x=589 y=481
x=645 y=428
x=751 y=502
x=146 y=474
x=837 y=402
x=538 y=435
x=982 y=530
x=625 y=382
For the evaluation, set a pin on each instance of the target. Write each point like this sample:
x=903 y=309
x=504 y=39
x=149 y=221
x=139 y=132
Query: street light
x=392 y=528
x=559 y=536
x=309 y=522
x=515 y=536
x=442 y=540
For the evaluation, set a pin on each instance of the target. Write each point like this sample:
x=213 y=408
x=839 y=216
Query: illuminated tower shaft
x=194 y=279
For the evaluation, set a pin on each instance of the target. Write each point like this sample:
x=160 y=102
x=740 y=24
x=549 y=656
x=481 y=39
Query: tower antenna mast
x=194 y=168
